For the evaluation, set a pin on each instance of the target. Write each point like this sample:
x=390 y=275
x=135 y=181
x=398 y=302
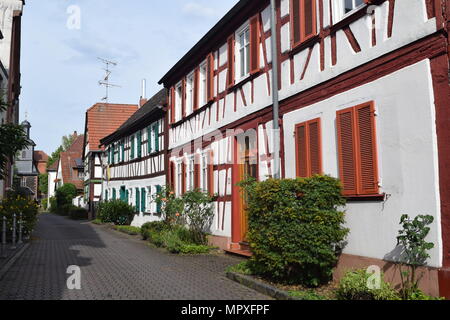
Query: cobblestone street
x=113 y=267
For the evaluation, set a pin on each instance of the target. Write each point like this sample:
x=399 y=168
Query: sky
x=60 y=66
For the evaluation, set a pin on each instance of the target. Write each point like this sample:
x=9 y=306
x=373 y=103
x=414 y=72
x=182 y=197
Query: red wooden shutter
x=211 y=173
x=301 y=151
x=172 y=174
x=183 y=98
x=368 y=171
x=196 y=87
x=197 y=172
x=347 y=151
x=172 y=105
x=308 y=148
x=254 y=44
x=308 y=19
x=314 y=148
x=295 y=23
x=230 y=62
x=183 y=177
x=210 y=77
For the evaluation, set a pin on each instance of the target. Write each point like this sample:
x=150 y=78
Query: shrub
x=14 y=203
x=64 y=196
x=307 y=295
x=354 y=286
x=171 y=207
x=295 y=229
x=44 y=204
x=171 y=241
x=241 y=268
x=53 y=205
x=116 y=212
x=156 y=226
x=194 y=249
x=128 y=230
x=415 y=249
x=199 y=211
x=78 y=214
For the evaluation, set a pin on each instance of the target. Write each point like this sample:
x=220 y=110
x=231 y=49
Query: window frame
x=190 y=93
x=203 y=84
x=245 y=28
x=179 y=101
x=338 y=9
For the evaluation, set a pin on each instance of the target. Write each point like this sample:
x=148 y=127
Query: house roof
x=77 y=144
x=147 y=113
x=103 y=119
x=206 y=44
x=68 y=163
x=54 y=166
x=40 y=156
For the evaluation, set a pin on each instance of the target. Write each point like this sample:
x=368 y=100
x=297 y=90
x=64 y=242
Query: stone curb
x=13 y=259
x=259 y=286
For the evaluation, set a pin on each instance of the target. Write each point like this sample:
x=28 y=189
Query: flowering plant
x=18 y=204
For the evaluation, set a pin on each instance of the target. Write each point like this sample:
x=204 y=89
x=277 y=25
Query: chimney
x=143 y=99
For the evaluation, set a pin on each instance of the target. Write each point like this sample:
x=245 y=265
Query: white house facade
x=135 y=159
x=363 y=91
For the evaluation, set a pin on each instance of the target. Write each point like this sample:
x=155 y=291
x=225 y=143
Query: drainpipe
x=276 y=125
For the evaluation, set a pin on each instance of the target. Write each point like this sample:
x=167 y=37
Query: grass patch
x=307 y=295
x=97 y=222
x=132 y=231
x=241 y=268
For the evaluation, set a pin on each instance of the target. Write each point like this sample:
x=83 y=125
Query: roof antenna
x=105 y=82
x=143 y=99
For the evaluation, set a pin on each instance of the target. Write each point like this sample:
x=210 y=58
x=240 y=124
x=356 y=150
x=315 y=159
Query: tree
x=43 y=183
x=12 y=139
x=65 y=145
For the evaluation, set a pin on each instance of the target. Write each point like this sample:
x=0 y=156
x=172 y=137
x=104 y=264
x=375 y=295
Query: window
x=204 y=174
x=342 y=8
x=189 y=94
x=180 y=178
x=178 y=102
x=143 y=200
x=138 y=200
x=203 y=84
x=308 y=148
x=139 y=143
x=191 y=174
x=358 y=150
x=304 y=21
x=122 y=147
x=156 y=136
x=243 y=49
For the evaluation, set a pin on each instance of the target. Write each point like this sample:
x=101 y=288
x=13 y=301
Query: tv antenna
x=105 y=82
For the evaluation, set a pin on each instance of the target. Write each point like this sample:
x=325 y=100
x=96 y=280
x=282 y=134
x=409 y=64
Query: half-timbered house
x=136 y=160
x=364 y=93
x=102 y=119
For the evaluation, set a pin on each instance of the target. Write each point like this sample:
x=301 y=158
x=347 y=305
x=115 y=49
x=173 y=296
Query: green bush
x=64 y=196
x=307 y=295
x=199 y=211
x=53 y=205
x=295 y=232
x=194 y=249
x=354 y=286
x=157 y=226
x=44 y=204
x=241 y=268
x=76 y=213
x=128 y=230
x=116 y=212
x=171 y=206
x=14 y=203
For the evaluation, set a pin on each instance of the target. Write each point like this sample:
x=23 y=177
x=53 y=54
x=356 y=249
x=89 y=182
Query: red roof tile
x=104 y=119
x=40 y=156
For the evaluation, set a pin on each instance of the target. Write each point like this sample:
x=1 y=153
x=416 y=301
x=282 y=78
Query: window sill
x=366 y=198
x=243 y=81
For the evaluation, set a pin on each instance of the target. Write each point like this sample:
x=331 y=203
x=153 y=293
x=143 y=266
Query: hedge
x=295 y=228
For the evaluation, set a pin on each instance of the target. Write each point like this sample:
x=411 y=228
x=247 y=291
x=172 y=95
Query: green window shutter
x=138 y=209
x=143 y=200
x=158 y=205
x=156 y=130
x=109 y=155
x=122 y=147
x=112 y=154
x=127 y=196
x=106 y=195
x=139 y=144
x=114 y=194
x=132 y=147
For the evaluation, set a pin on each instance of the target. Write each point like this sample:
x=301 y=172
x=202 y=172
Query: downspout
x=276 y=125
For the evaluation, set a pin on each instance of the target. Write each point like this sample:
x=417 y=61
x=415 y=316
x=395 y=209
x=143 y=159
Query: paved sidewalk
x=113 y=267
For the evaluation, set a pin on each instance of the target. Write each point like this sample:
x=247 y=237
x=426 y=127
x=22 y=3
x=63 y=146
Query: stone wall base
x=223 y=243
